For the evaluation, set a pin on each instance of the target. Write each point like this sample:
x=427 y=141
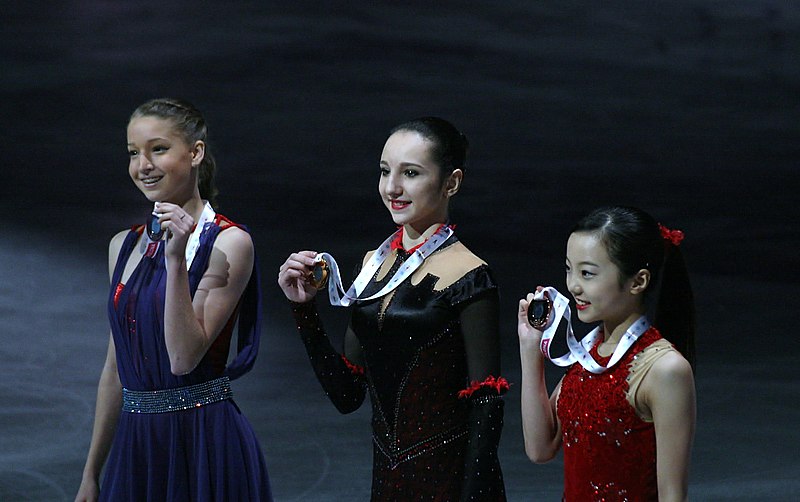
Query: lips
x=581 y=304
x=399 y=205
x=150 y=181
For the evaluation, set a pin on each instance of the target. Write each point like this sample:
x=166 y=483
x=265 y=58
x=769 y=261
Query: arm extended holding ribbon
x=341 y=379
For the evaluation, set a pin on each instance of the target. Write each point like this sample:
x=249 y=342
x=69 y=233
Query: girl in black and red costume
x=428 y=351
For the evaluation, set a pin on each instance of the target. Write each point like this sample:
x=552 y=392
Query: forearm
x=672 y=495
x=479 y=325
x=185 y=338
x=539 y=423
x=106 y=417
x=482 y=474
x=672 y=465
x=343 y=387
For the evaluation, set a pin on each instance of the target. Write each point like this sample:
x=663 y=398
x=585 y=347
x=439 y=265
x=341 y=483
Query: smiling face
x=411 y=184
x=594 y=281
x=162 y=165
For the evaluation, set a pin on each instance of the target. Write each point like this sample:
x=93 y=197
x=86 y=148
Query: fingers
x=293 y=276
x=173 y=218
x=302 y=261
x=296 y=267
x=523 y=306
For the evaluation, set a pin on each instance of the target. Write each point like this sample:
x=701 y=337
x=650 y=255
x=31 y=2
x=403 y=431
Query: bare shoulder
x=460 y=256
x=114 y=247
x=367 y=256
x=233 y=253
x=116 y=241
x=235 y=238
x=670 y=380
x=449 y=265
x=671 y=368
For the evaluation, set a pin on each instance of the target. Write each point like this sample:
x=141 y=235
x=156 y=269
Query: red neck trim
x=397 y=242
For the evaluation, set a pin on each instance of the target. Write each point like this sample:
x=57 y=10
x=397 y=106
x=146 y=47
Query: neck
x=413 y=235
x=613 y=330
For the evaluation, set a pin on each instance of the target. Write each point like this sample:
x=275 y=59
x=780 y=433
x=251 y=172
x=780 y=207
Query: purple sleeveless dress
x=206 y=453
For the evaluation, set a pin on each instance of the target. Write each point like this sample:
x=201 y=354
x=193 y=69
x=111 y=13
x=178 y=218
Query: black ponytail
x=634 y=241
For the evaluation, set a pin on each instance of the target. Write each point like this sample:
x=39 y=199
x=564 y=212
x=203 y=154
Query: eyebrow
x=152 y=140
x=404 y=164
x=591 y=264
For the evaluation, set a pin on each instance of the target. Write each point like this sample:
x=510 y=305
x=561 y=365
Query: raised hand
x=178 y=223
x=293 y=277
x=527 y=333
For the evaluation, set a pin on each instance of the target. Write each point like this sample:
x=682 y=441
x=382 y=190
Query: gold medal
x=318 y=277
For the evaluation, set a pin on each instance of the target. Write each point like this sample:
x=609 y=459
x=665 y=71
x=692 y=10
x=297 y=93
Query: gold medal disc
x=318 y=277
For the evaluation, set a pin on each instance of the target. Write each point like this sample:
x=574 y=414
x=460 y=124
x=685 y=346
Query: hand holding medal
x=546 y=317
x=170 y=220
x=324 y=269
x=296 y=277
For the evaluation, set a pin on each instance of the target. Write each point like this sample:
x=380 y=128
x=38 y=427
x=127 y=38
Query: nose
x=144 y=163
x=393 y=185
x=573 y=285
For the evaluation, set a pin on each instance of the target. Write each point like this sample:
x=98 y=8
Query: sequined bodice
x=609 y=452
x=415 y=360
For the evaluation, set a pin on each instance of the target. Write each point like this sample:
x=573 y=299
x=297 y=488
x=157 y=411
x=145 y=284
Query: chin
x=399 y=220
x=151 y=196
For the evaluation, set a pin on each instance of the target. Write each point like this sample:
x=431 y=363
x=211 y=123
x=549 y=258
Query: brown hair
x=192 y=126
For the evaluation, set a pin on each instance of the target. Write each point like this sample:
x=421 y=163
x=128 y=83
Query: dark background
x=688 y=109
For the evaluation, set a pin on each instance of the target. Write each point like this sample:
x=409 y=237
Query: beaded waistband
x=177 y=399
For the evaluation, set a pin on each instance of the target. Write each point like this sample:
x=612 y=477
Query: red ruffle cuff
x=354 y=368
x=498 y=386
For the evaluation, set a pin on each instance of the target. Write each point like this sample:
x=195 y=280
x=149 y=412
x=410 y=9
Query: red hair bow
x=673 y=236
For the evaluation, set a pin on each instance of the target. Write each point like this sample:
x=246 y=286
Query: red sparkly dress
x=609 y=451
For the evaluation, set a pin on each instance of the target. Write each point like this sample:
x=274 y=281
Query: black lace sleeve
x=342 y=381
x=483 y=479
x=480 y=328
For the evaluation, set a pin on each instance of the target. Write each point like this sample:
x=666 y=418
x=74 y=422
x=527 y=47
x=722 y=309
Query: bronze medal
x=539 y=312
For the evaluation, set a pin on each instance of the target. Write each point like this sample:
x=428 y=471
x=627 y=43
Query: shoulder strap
x=249 y=310
x=124 y=252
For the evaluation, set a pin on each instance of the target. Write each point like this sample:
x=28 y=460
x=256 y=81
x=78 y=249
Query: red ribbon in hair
x=673 y=236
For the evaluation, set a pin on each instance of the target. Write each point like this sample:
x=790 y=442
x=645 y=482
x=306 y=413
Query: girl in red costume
x=627 y=427
x=427 y=352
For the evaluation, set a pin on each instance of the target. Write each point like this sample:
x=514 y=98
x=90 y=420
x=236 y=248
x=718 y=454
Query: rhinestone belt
x=179 y=398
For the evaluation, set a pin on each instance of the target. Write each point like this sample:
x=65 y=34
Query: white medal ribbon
x=341 y=298
x=579 y=350
x=206 y=217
